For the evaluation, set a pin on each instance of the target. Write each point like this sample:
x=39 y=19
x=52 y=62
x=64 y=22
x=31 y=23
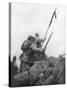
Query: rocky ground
x=42 y=72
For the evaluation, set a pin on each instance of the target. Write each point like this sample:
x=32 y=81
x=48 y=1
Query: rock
x=48 y=72
x=59 y=71
x=49 y=80
x=52 y=61
x=21 y=76
x=61 y=80
x=44 y=64
x=35 y=70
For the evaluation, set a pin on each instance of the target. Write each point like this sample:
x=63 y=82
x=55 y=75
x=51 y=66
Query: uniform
x=37 y=48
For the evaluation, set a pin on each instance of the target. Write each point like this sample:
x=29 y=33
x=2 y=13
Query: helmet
x=31 y=38
x=36 y=35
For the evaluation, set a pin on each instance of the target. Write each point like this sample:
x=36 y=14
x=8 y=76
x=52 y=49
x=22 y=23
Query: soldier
x=27 y=43
x=26 y=56
x=37 y=47
x=37 y=44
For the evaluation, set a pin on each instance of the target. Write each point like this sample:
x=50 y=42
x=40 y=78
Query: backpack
x=26 y=45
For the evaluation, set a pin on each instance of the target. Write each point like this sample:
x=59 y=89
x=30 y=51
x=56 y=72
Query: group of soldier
x=32 y=50
x=36 y=67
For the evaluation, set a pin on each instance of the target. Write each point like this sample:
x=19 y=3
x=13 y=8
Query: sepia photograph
x=37 y=45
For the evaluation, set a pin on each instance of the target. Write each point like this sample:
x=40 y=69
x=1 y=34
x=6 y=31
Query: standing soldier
x=37 y=44
x=25 y=57
x=37 y=47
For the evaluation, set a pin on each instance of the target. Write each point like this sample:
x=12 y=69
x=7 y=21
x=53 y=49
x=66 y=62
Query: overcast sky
x=28 y=19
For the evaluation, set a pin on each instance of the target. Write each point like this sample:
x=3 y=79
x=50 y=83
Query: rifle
x=54 y=14
x=47 y=42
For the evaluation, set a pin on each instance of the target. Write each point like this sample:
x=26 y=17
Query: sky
x=28 y=19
